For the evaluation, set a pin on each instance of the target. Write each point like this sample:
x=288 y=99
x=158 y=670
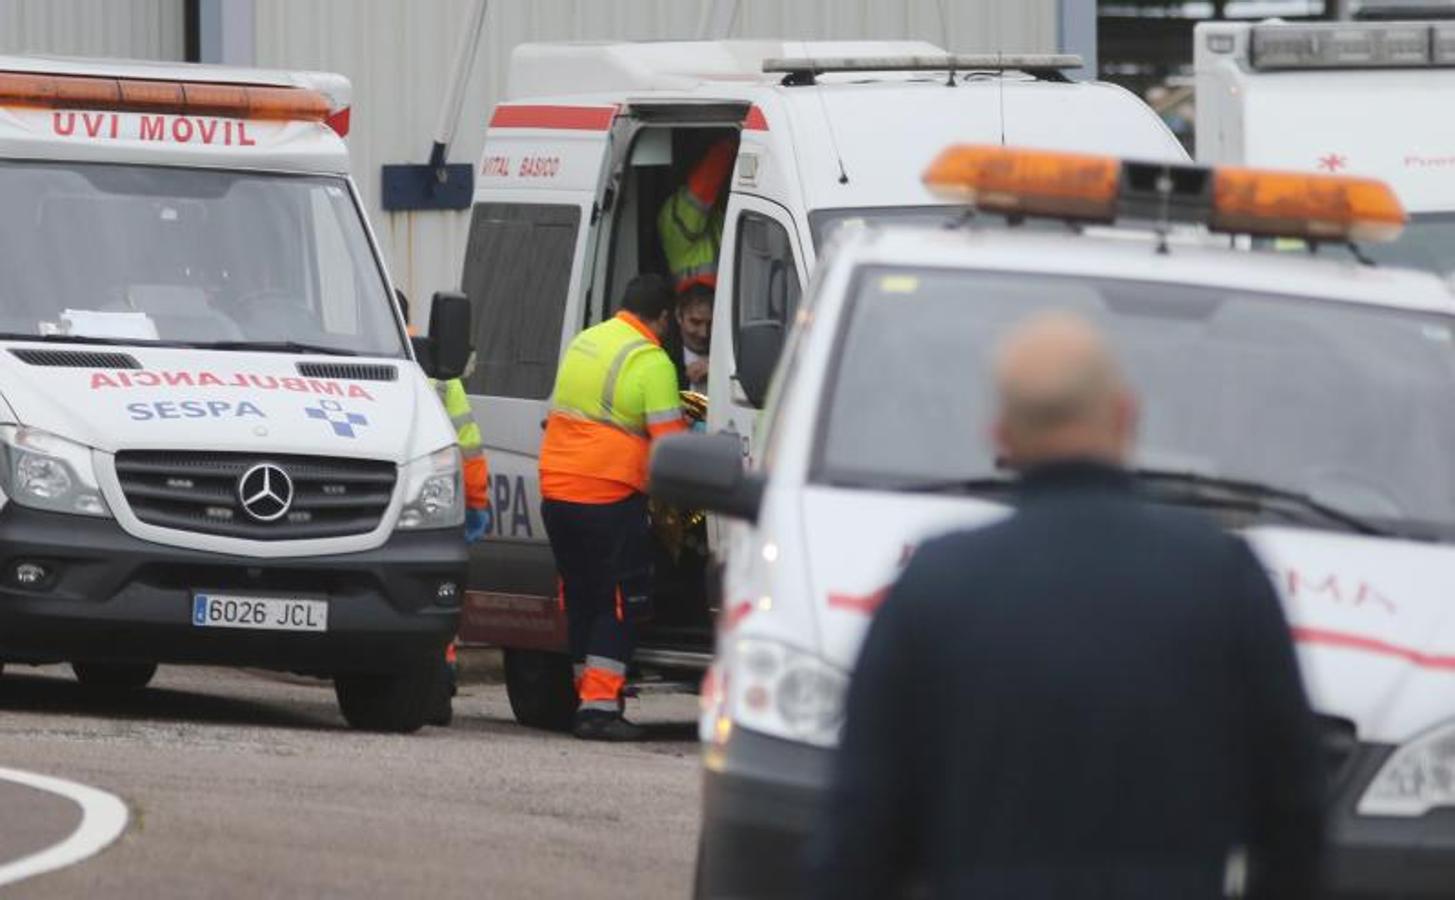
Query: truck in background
x=1360 y=98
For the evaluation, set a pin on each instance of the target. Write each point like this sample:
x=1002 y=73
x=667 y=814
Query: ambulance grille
x=75 y=359
x=348 y=371
x=201 y=492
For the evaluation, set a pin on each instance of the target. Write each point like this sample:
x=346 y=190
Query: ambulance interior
x=657 y=164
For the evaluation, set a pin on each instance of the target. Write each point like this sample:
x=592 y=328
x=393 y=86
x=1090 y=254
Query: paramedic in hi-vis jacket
x=690 y=222
x=616 y=392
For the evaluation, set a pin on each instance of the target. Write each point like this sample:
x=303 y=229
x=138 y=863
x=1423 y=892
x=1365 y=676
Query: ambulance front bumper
x=761 y=796
x=1382 y=856
x=107 y=596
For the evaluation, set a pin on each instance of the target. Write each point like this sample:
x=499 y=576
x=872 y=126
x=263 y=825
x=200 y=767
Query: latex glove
x=477 y=525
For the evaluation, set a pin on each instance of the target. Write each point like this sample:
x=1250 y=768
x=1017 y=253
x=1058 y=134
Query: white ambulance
x=1307 y=401
x=1363 y=98
x=577 y=163
x=216 y=445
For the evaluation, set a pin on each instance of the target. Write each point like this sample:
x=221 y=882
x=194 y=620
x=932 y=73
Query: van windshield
x=824 y=223
x=1350 y=405
x=197 y=257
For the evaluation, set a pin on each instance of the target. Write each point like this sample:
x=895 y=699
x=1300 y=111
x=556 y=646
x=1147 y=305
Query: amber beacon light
x=1020 y=182
x=178 y=97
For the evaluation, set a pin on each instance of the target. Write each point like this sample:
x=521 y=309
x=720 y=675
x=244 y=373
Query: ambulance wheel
x=541 y=688
x=114 y=676
x=398 y=702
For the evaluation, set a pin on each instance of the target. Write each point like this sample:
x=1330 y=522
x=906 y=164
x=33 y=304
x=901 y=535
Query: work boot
x=596 y=725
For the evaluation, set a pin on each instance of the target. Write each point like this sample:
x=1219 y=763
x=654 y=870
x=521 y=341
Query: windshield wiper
x=86 y=339
x=1215 y=490
x=275 y=347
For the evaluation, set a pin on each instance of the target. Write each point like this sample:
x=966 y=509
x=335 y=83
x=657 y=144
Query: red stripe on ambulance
x=566 y=118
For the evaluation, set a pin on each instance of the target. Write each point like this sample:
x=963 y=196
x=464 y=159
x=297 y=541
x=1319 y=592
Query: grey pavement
x=32 y=820
x=249 y=786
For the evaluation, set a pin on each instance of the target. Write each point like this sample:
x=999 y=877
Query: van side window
x=517 y=274
x=765 y=279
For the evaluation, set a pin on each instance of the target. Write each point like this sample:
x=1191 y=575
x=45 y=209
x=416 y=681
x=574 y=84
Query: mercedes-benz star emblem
x=266 y=492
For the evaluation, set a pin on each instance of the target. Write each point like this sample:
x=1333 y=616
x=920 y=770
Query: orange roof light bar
x=1054 y=184
x=1318 y=207
x=1017 y=182
x=181 y=97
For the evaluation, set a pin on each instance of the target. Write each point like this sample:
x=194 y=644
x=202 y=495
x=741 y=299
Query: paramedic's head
x=694 y=318
x=1062 y=395
x=649 y=298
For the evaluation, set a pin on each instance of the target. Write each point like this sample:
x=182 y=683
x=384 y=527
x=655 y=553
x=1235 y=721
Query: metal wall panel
x=140 y=29
x=398 y=55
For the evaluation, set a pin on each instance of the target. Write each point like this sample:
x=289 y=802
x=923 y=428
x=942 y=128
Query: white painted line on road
x=103 y=818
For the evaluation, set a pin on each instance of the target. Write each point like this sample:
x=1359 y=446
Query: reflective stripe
x=610 y=706
x=664 y=417
x=606 y=664
x=461 y=420
x=442 y=388
x=598 y=420
x=473 y=453
x=608 y=390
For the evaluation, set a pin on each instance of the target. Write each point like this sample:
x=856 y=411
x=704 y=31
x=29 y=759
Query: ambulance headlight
x=43 y=471
x=778 y=690
x=434 y=495
x=1418 y=777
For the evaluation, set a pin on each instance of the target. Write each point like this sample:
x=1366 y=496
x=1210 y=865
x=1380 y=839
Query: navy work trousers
x=604 y=556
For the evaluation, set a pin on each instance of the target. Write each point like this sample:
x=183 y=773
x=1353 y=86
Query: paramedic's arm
x=1286 y=787
x=661 y=399
x=710 y=175
x=865 y=838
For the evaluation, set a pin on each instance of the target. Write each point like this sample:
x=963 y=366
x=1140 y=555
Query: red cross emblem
x=1333 y=162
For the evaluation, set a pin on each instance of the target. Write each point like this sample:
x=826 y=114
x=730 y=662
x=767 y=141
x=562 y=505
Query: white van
x=577 y=163
x=1306 y=401
x=215 y=443
x=1360 y=98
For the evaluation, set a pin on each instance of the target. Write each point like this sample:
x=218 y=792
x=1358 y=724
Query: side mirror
x=447 y=349
x=705 y=471
x=759 y=346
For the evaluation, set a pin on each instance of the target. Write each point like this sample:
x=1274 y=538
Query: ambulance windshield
x=1427 y=243
x=199 y=257
x=1351 y=405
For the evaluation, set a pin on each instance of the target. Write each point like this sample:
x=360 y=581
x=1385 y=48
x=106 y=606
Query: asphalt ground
x=248 y=785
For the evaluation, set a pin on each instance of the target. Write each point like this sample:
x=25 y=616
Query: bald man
x=1096 y=697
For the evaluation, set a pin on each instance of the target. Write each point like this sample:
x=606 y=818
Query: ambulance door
x=761 y=273
x=527 y=271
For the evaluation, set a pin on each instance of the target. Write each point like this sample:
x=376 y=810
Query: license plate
x=264 y=613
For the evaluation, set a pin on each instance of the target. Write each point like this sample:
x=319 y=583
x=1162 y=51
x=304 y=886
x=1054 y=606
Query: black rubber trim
x=760 y=799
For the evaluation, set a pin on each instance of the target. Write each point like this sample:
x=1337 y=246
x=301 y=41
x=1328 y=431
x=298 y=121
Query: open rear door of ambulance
x=527 y=273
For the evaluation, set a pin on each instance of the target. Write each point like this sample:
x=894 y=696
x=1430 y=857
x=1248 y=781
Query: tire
x=541 y=688
x=114 y=676
x=442 y=706
x=396 y=702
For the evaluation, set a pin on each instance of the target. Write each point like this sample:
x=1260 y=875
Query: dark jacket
x=672 y=343
x=1097 y=697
